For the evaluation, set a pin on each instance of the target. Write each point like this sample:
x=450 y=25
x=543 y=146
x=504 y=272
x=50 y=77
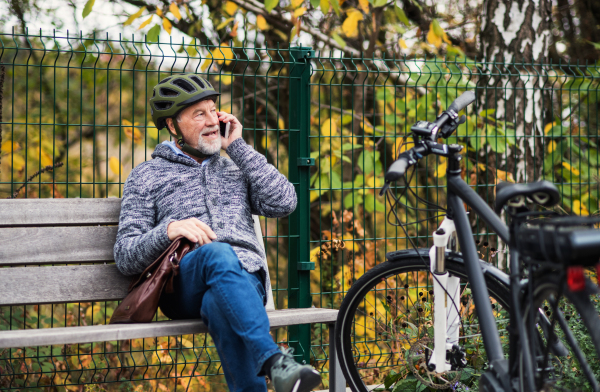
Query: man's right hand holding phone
x=235 y=129
x=192 y=229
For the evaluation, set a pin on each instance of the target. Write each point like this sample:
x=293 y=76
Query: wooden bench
x=75 y=231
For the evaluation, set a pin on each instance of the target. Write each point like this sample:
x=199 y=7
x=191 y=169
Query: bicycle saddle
x=542 y=192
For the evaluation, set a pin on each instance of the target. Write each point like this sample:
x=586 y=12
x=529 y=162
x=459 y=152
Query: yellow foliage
x=115 y=166
x=366 y=126
x=146 y=22
x=402 y=43
x=551 y=146
x=504 y=176
x=175 y=10
x=167 y=25
x=205 y=64
x=261 y=23
x=481 y=167
x=440 y=170
x=325 y=5
x=548 y=127
x=350 y=243
x=329 y=128
x=297 y=3
x=432 y=38
x=134 y=16
x=222 y=53
x=281 y=123
x=230 y=7
x=226 y=79
x=8 y=146
x=568 y=166
x=131 y=131
x=364 y=5
x=159 y=12
x=299 y=12
x=350 y=25
x=579 y=208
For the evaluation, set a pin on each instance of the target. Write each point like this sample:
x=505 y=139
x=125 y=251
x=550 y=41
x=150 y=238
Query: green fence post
x=299 y=253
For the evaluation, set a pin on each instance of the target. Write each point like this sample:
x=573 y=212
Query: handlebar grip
x=396 y=170
x=463 y=101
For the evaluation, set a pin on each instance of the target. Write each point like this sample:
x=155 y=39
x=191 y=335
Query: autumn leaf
x=364 y=5
x=230 y=7
x=270 y=4
x=131 y=131
x=115 y=166
x=159 y=12
x=261 y=23
x=433 y=38
x=551 y=145
x=224 y=23
x=548 y=127
x=87 y=8
x=296 y=3
x=146 y=22
x=226 y=79
x=175 y=10
x=440 y=170
x=350 y=25
x=329 y=128
x=402 y=43
x=568 y=166
x=281 y=123
x=222 y=53
x=299 y=12
x=167 y=25
x=234 y=29
x=501 y=175
x=579 y=208
x=8 y=146
x=134 y=16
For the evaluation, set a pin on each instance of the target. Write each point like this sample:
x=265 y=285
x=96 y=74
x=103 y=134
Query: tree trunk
x=516 y=31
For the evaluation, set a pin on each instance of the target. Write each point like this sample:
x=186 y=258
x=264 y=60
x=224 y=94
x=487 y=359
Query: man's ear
x=171 y=127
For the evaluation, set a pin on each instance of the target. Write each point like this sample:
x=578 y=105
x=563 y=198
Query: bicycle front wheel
x=384 y=329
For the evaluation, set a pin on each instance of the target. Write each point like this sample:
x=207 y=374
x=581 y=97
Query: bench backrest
x=61 y=231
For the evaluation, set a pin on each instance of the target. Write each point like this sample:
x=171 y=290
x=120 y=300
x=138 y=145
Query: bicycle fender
x=487 y=268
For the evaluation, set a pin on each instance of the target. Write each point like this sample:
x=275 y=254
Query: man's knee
x=220 y=255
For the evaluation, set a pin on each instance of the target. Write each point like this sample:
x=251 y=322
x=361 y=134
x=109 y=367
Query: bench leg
x=337 y=383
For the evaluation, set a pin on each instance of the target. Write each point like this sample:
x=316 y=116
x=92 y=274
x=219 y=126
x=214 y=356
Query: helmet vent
x=153 y=93
x=162 y=105
x=168 y=92
x=165 y=80
x=185 y=85
x=198 y=81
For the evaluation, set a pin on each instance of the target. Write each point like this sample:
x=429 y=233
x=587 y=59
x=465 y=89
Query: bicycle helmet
x=175 y=93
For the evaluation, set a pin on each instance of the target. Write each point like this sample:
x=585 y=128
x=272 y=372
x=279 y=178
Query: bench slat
x=56 y=212
x=44 y=245
x=43 y=285
x=102 y=333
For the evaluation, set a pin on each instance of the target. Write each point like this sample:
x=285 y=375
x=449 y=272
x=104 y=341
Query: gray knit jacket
x=223 y=193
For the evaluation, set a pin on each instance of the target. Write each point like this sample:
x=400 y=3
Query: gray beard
x=209 y=147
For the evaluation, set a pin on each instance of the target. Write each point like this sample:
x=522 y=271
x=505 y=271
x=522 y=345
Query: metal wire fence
x=331 y=124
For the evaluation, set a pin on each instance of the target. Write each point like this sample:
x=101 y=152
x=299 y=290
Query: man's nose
x=212 y=119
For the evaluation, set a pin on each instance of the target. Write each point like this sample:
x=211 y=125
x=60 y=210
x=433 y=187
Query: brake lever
x=384 y=189
x=451 y=126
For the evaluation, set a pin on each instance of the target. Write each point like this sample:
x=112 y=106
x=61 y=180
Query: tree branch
x=275 y=20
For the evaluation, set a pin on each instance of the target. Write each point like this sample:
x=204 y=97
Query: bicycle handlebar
x=397 y=169
x=466 y=98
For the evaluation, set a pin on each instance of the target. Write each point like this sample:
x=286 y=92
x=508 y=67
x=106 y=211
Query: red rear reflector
x=575 y=278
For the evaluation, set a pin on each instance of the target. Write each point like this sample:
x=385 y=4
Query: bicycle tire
x=347 y=348
x=573 y=303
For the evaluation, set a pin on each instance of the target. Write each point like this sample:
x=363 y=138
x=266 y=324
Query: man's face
x=199 y=125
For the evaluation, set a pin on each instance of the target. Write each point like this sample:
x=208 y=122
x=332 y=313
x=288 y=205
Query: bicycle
x=415 y=313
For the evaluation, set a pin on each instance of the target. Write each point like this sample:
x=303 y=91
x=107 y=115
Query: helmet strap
x=186 y=147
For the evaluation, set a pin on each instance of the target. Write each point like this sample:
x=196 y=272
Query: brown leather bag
x=141 y=303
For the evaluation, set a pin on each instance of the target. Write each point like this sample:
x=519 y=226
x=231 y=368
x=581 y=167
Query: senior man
x=189 y=190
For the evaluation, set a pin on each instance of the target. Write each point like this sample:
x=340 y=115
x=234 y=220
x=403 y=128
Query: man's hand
x=235 y=130
x=192 y=229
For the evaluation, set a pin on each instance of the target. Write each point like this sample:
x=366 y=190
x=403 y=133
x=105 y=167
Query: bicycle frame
x=457 y=224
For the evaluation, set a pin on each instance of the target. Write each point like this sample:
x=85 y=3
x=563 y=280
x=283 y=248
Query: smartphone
x=225 y=129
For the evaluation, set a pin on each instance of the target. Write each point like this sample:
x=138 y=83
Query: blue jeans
x=212 y=284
